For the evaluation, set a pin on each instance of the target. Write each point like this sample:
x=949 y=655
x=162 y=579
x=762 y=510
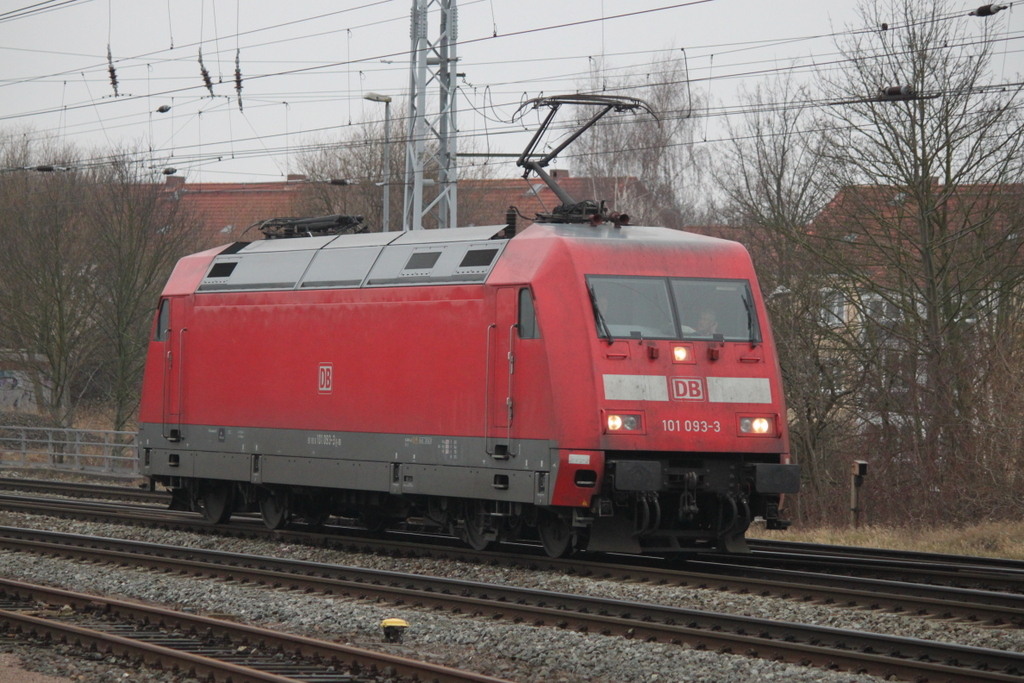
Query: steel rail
x=972 y=568
x=84 y=490
x=996 y=608
x=801 y=548
x=197 y=666
x=951 y=574
x=993 y=607
x=965 y=568
x=202 y=666
x=98 y=509
x=823 y=646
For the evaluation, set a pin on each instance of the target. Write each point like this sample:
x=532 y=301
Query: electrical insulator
x=898 y=92
x=207 y=81
x=112 y=70
x=238 y=77
x=987 y=10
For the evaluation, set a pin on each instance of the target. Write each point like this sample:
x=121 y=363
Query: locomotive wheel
x=274 y=509
x=474 y=533
x=216 y=501
x=555 y=534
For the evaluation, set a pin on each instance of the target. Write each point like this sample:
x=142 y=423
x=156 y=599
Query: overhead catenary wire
x=323 y=66
x=196 y=161
x=155 y=53
x=38 y=8
x=767 y=107
x=713 y=111
x=288 y=72
x=293 y=97
x=272 y=152
x=710 y=111
x=717 y=48
x=694 y=79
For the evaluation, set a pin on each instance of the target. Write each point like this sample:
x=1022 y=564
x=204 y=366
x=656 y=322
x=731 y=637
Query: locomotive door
x=174 y=366
x=501 y=374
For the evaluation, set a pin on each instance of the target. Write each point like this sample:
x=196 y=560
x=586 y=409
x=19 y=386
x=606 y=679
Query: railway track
x=883 y=655
x=926 y=568
x=885 y=563
x=85 y=490
x=940 y=595
x=202 y=647
x=884 y=554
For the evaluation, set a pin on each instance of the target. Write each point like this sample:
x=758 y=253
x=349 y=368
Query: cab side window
x=163 y=322
x=527 y=316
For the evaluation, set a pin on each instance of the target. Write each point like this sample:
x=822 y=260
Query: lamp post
x=374 y=97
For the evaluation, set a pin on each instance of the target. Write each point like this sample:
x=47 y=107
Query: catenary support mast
x=431 y=140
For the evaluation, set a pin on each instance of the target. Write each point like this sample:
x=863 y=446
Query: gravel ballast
x=516 y=652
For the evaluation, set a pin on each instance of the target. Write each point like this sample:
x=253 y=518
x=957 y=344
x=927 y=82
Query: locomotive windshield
x=673 y=308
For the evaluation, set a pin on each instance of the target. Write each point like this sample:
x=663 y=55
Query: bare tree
x=86 y=254
x=137 y=237
x=775 y=182
x=47 y=281
x=348 y=176
x=927 y=232
x=658 y=151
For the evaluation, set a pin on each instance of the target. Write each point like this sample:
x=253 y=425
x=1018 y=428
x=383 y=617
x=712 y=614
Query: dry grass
x=90 y=417
x=97 y=417
x=991 y=539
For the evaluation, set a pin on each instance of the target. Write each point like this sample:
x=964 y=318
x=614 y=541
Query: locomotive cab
x=701 y=450
x=671 y=420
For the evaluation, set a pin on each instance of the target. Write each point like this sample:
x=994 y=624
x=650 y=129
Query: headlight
x=683 y=353
x=624 y=422
x=757 y=425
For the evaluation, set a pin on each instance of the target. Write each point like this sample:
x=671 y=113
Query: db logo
x=325 y=378
x=688 y=388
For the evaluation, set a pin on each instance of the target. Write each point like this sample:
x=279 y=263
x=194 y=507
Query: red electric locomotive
x=597 y=386
x=614 y=387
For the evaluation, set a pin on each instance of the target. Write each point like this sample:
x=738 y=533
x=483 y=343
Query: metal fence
x=84 y=451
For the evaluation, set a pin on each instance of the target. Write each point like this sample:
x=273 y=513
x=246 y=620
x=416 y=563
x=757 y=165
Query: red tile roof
x=873 y=208
x=873 y=225
x=227 y=209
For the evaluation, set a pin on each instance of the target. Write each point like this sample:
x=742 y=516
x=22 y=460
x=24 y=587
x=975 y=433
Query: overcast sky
x=307 y=65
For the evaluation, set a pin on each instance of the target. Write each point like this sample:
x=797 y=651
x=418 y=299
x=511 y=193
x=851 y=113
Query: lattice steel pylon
x=431 y=140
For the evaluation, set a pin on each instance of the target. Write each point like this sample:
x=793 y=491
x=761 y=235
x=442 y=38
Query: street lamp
x=374 y=97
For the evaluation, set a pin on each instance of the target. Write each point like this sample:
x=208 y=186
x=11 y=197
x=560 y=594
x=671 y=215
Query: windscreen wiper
x=749 y=305
x=598 y=317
